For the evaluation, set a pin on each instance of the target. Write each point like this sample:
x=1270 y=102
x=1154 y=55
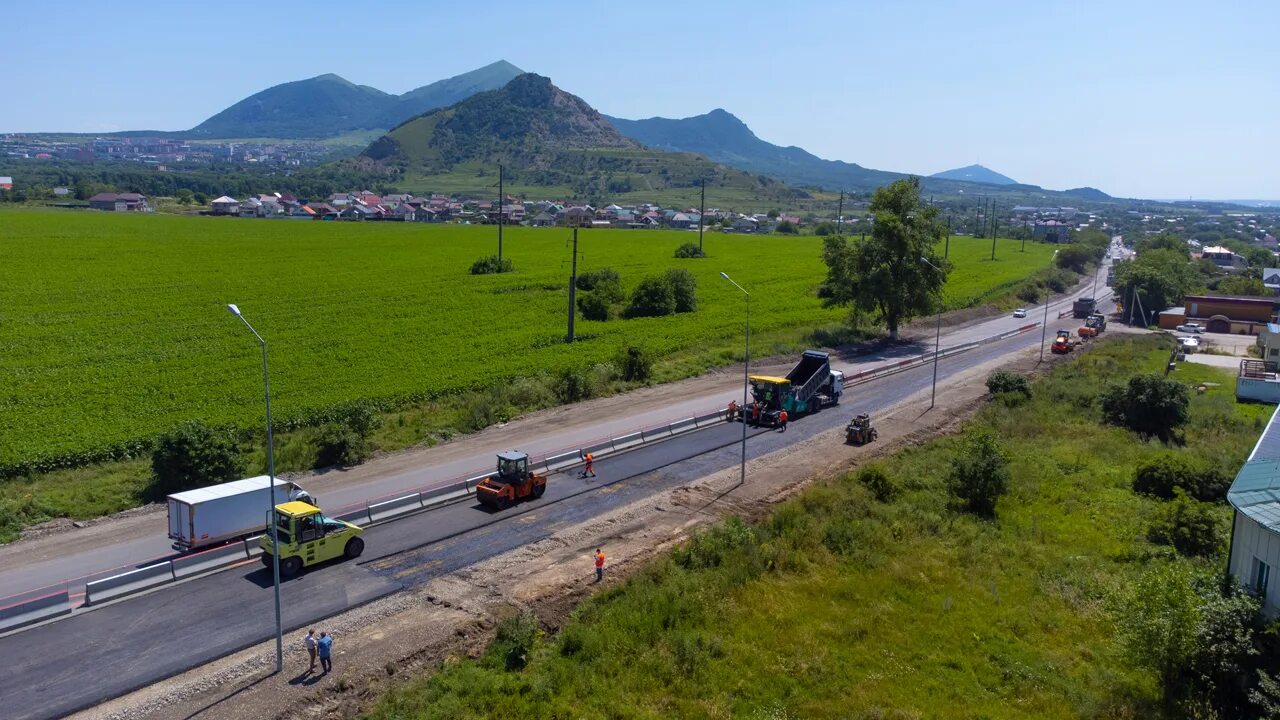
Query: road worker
x=589 y=468
x=782 y=421
x=733 y=410
x=755 y=413
x=599 y=564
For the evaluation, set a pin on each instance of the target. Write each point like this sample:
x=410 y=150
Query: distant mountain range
x=975 y=173
x=328 y=105
x=543 y=136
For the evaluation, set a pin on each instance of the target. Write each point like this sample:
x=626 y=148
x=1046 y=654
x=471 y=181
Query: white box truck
x=218 y=513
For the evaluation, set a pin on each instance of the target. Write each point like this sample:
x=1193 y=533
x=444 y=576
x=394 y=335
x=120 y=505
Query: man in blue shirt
x=324 y=647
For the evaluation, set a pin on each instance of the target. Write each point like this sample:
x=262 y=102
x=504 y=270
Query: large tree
x=1160 y=276
x=883 y=274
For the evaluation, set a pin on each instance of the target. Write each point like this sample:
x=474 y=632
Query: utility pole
x=840 y=214
x=702 y=210
x=977 y=213
x=573 y=287
x=946 y=251
x=993 y=230
x=501 y=200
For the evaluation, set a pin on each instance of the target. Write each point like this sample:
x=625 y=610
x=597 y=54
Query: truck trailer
x=218 y=513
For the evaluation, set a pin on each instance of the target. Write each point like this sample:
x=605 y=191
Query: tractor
x=1062 y=343
x=512 y=482
x=859 y=430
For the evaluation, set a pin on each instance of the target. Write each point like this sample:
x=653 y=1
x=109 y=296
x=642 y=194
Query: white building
x=1255 y=530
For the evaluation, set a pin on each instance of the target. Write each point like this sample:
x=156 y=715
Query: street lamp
x=746 y=364
x=1044 y=328
x=271 y=474
x=937 y=343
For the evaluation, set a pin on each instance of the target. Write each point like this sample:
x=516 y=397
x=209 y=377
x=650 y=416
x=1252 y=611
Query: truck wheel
x=355 y=546
x=539 y=489
x=290 y=566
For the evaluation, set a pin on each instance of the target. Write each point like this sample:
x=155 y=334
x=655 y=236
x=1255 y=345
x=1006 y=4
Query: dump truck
x=810 y=386
x=512 y=482
x=220 y=513
x=308 y=538
x=1083 y=307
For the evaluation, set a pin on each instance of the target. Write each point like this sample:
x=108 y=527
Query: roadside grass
x=839 y=605
x=124 y=331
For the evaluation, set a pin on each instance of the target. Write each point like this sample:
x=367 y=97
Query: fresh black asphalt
x=58 y=668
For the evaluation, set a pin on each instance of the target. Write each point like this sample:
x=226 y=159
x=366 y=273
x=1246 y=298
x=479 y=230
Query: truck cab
x=307 y=537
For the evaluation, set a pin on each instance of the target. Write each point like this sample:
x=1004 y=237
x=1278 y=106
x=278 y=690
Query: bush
x=999 y=383
x=513 y=646
x=591 y=279
x=878 y=482
x=1029 y=293
x=786 y=227
x=193 y=455
x=824 y=229
x=492 y=265
x=339 y=445
x=653 y=297
x=1162 y=476
x=637 y=365
x=689 y=250
x=573 y=386
x=593 y=306
x=980 y=474
x=1186 y=525
x=1149 y=405
x=1074 y=258
x=685 y=288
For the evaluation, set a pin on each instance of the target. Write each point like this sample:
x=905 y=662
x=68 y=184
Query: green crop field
x=114 y=327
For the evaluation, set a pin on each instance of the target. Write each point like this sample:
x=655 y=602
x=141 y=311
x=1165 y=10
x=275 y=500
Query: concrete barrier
x=655 y=433
x=430 y=497
x=209 y=559
x=128 y=583
x=358 y=516
x=627 y=441
x=562 y=460
x=598 y=449
x=685 y=425
x=392 y=508
x=252 y=546
x=461 y=493
x=710 y=418
x=34 y=610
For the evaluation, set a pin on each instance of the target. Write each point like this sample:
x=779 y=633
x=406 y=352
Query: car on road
x=1020 y=313
x=1188 y=344
x=1194 y=328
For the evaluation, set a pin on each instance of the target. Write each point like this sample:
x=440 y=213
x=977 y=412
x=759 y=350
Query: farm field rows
x=115 y=328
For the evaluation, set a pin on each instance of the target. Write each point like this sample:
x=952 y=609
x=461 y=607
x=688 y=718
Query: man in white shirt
x=310 y=643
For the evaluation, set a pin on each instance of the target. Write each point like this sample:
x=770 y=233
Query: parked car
x=1189 y=344
x=1020 y=313
x=1191 y=328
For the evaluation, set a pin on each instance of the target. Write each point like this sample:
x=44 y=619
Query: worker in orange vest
x=599 y=565
x=589 y=469
x=733 y=410
x=782 y=421
x=755 y=413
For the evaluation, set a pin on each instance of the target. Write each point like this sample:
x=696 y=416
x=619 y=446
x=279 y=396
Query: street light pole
x=937 y=343
x=271 y=475
x=746 y=364
x=1044 y=327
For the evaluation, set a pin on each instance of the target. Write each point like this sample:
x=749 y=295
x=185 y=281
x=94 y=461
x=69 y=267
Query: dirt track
x=383 y=642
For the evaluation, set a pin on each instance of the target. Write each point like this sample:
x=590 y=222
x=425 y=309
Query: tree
x=1149 y=405
x=1242 y=286
x=184 y=196
x=193 y=455
x=684 y=287
x=1162 y=241
x=980 y=474
x=1186 y=525
x=786 y=227
x=1074 y=257
x=653 y=297
x=883 y=274
x=1156 y=622
x=825 y=228
x=773 y=214
x=1160 y=277
x=636 y=364
x=594 y=306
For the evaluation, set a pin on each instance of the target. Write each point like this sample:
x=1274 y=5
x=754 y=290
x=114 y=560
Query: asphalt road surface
x=58 y=668
x=56 y=572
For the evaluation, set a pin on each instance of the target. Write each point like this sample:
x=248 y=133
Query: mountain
x=329 y=105
x=975 y=173
x=544 y=137
x=722 y=137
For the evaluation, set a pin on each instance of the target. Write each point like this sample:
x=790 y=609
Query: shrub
x=193 y=455
x=825 y=228
x=339 y=445
x=980 y=474
x=593 y=306
x=573 y=385
x=878 y=482
x=1029 y=293
x=1163 y=475
x=492 y=265
x=1074 y=258
x=1002 y=382
x=653 y=297
x=512 y=647
x=1149 y=405
x=637 y=364
x=685 y=288
x=689 y=250
x=591 y=279
x=786 y=227
x=1186 y=525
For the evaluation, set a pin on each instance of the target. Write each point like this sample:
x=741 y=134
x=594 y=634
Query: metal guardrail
x=379 y=510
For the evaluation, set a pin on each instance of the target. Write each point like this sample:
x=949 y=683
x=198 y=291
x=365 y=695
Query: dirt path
x=412 y=631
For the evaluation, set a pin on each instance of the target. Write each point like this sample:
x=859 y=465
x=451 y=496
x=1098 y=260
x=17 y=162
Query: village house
x=225 y=205
x=1222 y=314
x=119 y=202
x=1224 y=258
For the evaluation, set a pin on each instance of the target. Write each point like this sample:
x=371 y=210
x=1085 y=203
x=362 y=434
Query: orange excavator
x=514 y=481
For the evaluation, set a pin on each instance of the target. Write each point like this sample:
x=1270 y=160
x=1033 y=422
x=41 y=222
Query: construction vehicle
x=1085 y=332
x=859 y=430
x=307 y=538
x=213 y=515
x=810 y=386
x=1097 y=321
x=512 y=482
x=1083 y=307
x=1062 y=343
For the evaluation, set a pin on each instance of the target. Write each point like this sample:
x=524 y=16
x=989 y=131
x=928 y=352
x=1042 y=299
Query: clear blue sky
x=1148 y=99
